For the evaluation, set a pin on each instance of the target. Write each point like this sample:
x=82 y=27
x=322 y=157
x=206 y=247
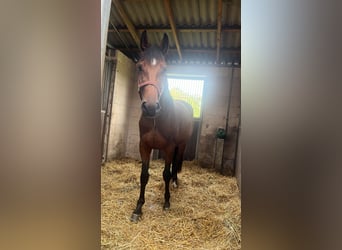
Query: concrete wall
x=132 y=146
x=215 y=105
x=230 y=143
x=123 y=85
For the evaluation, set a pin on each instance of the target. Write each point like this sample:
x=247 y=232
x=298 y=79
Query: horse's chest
x=156 y=139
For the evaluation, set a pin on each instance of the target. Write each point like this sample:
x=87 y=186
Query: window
x=189 y=90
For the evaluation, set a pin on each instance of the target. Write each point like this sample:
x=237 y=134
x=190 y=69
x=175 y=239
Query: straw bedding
x=205 y=209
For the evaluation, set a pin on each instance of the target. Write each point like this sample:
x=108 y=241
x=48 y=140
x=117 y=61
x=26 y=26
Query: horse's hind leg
x=144 y=176
x=167 y=176
x=177 y=163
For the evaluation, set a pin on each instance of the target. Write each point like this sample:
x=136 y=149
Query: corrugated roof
x=196 y=25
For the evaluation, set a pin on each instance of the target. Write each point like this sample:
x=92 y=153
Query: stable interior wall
x=124 y=131
x=231 y=140
x=123 y=81
x=215 y=106
x=124 y=126
x=133 y=138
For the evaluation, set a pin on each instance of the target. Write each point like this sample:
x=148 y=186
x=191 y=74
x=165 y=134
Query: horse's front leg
x=167 y=176
x=145 y=156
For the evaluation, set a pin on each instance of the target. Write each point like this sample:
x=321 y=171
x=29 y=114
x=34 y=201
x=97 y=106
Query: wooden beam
x=188 y=50
x=173 y=26
x=235 y=51
x=181 y=30
x=127 y=21
x=218 y=34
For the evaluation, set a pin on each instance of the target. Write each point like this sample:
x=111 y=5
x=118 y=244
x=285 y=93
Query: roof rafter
x=173 y=26
x=127 y=21
x=192 y=50
x=181 y=30
x=219 y=26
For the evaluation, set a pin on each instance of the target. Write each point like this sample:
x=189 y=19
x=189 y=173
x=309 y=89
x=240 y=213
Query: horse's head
x=150 y=74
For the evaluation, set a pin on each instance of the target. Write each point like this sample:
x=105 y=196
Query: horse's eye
x=140 y=69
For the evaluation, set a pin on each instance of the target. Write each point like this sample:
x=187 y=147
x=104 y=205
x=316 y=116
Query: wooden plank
x=173 y=26
x=218 y=34
x=127 y=21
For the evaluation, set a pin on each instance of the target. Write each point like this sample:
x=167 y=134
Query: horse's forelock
x=152 y=52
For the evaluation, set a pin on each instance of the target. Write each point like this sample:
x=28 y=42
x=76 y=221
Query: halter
x=152 y=83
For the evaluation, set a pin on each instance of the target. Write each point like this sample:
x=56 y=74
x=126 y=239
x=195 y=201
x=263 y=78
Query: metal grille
x=189 y=90
x=106 y=104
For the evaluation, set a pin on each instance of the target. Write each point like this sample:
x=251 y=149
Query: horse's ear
x=165 y=44
x=143 y=41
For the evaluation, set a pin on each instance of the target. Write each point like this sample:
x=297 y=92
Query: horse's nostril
x=144 y=106
x=157 y=106
x=148 y=109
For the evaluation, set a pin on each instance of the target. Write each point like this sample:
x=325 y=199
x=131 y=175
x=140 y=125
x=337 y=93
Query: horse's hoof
x=174 y=184
x=166 y=207
x=135 y=217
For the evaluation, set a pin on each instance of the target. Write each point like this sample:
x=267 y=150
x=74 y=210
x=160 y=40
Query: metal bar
x=105 y=9
x=119 y=35
x=106 y=96
x=108 y=114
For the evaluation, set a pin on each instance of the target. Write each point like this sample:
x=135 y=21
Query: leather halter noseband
x=153 y=83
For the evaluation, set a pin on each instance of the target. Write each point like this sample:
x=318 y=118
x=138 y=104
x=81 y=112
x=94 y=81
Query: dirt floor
x=205 y=209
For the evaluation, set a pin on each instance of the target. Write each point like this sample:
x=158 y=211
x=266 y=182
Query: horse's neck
x=166 y=101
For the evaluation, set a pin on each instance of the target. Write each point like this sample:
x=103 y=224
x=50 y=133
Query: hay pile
x=205 y=209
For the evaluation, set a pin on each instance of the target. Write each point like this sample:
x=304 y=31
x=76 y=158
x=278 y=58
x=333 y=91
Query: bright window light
x=189 y=90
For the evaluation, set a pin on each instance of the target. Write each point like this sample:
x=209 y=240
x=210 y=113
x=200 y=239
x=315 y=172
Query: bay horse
x=165 y=124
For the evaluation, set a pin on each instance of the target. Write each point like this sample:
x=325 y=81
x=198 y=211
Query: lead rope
x=154 y=128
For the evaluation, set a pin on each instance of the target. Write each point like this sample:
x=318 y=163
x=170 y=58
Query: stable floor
x=205 y=209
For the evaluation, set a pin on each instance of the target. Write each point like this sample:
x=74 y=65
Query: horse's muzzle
x=150 y=109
